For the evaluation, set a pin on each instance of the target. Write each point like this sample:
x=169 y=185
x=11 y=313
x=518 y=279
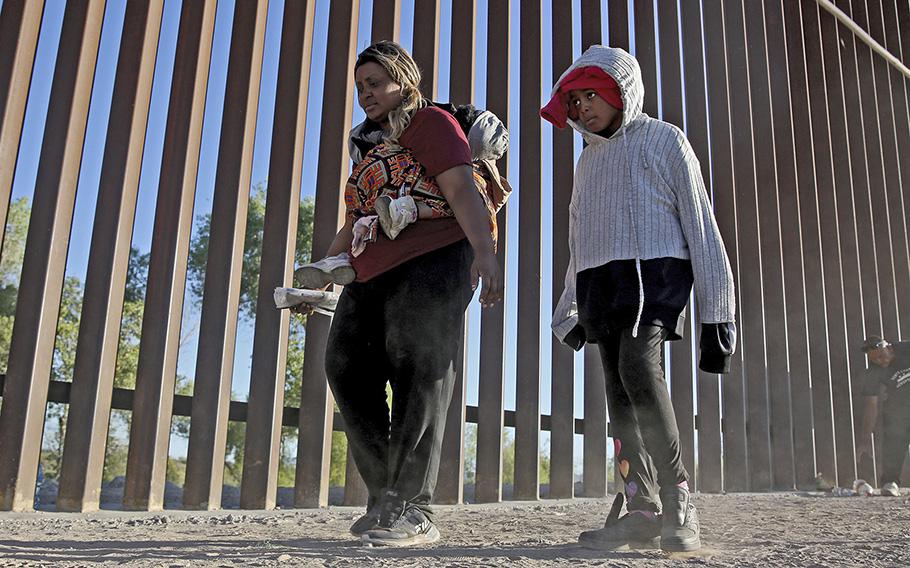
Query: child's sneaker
x=330 y=270
x=891 y=489
x=634 y=530
x=680 y=532
x=395 y=214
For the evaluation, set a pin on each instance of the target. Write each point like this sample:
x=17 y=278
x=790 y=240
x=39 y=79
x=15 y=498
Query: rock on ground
x=751 y=530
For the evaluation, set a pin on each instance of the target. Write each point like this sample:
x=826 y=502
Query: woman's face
x=377 y=93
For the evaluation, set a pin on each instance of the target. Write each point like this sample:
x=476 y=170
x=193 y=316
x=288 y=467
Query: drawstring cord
x=629 y=197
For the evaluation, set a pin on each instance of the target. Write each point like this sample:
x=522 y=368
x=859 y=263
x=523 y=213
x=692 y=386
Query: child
x=641 y=232
x=411 y=196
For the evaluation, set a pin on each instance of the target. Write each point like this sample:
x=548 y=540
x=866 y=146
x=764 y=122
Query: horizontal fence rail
x=799 y=114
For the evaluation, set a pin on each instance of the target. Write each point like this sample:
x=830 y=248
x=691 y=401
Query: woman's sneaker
x=395 y=214
x=634 y=530
x=680 y=532
x=330 y=270
x=411 y=528
x=891 y=489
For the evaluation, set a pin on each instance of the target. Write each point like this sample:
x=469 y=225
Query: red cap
x=558 y=110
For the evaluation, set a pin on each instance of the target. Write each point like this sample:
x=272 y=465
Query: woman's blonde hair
x=402 y=68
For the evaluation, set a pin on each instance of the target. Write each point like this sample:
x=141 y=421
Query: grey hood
x=624 y=69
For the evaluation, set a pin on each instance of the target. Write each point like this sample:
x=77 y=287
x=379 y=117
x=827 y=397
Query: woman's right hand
x=486 y=268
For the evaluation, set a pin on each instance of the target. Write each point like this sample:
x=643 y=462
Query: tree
x=249 y=293
x=10 y=269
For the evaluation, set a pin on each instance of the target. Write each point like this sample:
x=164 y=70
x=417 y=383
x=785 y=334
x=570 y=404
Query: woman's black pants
x=645 y=436
x=403 y=327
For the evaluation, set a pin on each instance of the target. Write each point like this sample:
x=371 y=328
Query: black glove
x=576 y=338
x=717 y=345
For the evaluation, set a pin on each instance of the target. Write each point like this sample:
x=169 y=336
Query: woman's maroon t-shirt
x=436 y=141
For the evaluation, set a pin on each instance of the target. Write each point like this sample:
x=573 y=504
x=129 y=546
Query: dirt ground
x=767 y=530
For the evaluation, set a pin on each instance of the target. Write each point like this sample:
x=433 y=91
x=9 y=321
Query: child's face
x=377 y=93
x=593 y=112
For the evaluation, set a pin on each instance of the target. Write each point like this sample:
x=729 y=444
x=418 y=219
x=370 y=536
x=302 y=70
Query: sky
x=33 y=132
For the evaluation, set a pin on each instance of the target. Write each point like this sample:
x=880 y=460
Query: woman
x=400 y=321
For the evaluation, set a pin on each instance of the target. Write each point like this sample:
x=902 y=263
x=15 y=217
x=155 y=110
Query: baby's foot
x=395 y=214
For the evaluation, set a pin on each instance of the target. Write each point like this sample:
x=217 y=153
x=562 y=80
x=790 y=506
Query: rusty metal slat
x=450 y=480
x=208 y=430
x=892 y=27
x=315 y=427
x=594 y=450
x=771 y=254
x=893 y=181
x=822 y=424
x=488 y=476
x=751 y=307
x=873 y=70
x=681 y=377
x=824 y=365
x=99 y=327
x=900 y=100
x=733 y=411
x=618 y=21
x=218 y=324
x=877 y=237
x=40 y=287
x=386 y=20
x=903 y=17
x=20 y=23
x=426 y=44
x=851 y=331
x=59 y=391
x=793 y=262
x=221 y=293
x=461 y=69
x=527 y=389
x=159 y=340
x=670 y=72
x=594 y=457
x=562 y=375
x=708 y=472
x=590 y=26
x=355 y=490
x=874 y=25
x=646 y=52
x=870 y=317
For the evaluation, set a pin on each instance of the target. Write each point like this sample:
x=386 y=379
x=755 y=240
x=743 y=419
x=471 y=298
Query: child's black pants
x=641 y=415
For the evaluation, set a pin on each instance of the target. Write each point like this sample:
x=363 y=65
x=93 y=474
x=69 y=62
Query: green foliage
x=10 y=269
x=508 y=458
x=116 y=451
x=339 y=459
x=14 y=245
x=130 y=332
x=233 y=457
x=252 y=248
x=176 y=471
x=249 y=290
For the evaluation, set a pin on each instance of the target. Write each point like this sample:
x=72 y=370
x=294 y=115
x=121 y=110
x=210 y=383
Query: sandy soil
x=783 y=529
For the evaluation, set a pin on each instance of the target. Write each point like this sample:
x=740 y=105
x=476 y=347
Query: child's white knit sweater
x=640 y=195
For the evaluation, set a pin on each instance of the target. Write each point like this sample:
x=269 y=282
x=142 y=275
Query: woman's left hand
x=486 y=267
